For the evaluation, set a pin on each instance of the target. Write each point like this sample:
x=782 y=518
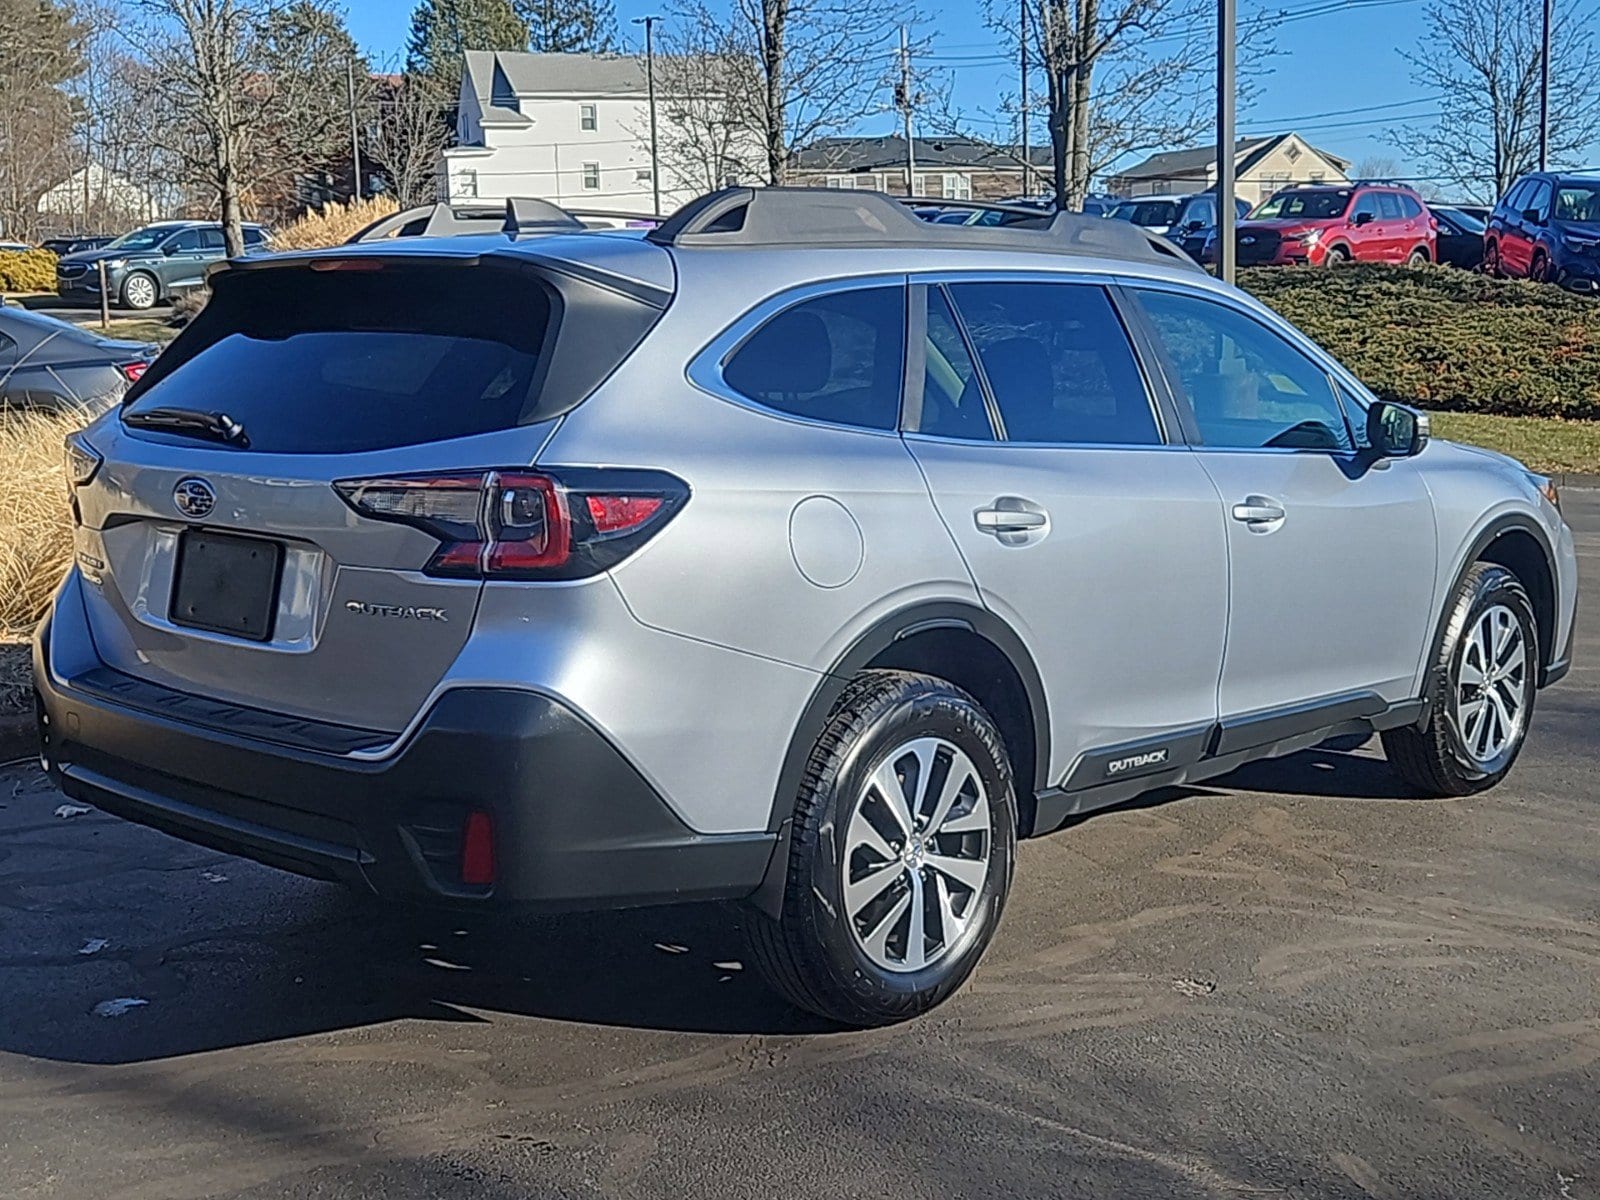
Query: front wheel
x=1337 y=256
x=139 y=291
x=1480 y=690
x=900 y=854
x=1491 y=261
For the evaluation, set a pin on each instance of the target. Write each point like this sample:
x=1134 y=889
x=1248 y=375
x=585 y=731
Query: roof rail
x=836 y=217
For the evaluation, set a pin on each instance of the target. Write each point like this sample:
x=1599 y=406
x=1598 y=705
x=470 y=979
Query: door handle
x=1258 y=510
x=1008 y=515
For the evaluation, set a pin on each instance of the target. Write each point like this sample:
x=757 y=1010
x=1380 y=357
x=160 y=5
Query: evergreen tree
x=569 y=26
x=442 y=29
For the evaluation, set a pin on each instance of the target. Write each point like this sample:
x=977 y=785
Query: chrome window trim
x=1079 y=275
x=704 y=371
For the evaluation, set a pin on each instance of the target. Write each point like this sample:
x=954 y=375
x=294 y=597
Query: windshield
x=147 y=238
x=1298 y=203
x=1147 y=212
x=1578 y=202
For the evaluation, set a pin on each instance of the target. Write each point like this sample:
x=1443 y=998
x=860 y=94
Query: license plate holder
x=227 y=584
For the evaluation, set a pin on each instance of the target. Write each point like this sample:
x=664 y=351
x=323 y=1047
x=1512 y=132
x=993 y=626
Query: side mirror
x=1396 y=430
x=169 y=249
x=1533 y=216
x=1363 y=218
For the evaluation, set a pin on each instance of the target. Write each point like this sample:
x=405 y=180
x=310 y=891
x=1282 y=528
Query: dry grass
x=35 y=523
x=334 y=225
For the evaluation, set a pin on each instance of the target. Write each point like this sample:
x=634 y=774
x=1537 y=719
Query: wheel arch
x=967 y=645
x=1517 y=543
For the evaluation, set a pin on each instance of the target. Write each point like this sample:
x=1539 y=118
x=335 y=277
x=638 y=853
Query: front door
x=1099 y=543
x=1332 y=555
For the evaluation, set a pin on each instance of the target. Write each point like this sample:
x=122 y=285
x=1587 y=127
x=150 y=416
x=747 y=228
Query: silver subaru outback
x=797 y=553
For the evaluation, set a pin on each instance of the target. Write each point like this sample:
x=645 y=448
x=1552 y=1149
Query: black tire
x=1337 y=256
x=1435 y=758
x=1491 y=261
x=813 y=954
x=1418 y=258
x=135 y=296
x=1539 y=272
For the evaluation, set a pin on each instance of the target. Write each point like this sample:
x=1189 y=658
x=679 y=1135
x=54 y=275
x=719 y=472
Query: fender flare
x=1481 y=541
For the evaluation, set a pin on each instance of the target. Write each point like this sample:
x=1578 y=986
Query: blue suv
x=1547 y=228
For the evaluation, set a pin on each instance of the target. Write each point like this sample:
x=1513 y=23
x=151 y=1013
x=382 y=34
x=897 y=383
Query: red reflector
x=477 y=850
x=612 y=514
x=133 y=371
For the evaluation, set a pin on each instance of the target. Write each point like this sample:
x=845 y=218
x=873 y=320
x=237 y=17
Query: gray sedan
x=51 y=365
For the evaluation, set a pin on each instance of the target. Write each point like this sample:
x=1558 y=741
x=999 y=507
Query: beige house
x=1262 y=165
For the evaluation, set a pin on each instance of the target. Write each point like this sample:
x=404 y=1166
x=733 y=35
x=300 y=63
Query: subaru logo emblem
x=194 y=497
x=1247 y=239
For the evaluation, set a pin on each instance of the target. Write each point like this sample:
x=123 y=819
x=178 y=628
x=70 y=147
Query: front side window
x=253 y=236
x=1517 y=198
x=1058 y=363
x=1247 y=387
x=837 y=358
x=1366 y=207
x=186 y=242
x=1539 y=201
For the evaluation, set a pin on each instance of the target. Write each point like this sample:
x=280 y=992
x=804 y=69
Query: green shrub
x=27 y=271
x=1447 y=339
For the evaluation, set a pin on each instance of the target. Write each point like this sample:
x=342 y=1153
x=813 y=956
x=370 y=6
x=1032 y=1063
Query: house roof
x=538 y=74
x=1178 y=164
x=847 y=154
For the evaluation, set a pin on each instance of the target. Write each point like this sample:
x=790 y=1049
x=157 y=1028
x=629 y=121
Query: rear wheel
x=1480 y=690
x=139 y=291
x=900 y=854
x=1418 y=258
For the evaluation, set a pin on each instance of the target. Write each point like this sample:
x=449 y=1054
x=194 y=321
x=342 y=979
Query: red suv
x=1332 y=224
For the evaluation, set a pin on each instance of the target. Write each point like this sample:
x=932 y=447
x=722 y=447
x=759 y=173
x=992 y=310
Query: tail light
x=133 y=371
x=520 y=524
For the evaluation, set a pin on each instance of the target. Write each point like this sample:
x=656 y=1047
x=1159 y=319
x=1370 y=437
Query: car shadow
x=259 y=956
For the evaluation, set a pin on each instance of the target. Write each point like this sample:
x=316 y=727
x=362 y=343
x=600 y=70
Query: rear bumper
x=575 y=825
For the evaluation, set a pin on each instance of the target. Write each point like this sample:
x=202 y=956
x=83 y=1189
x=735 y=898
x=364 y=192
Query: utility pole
x=1027 y=147
x=649 y=24
x=1225 y=163
x=355 y=137
x=903 y=101
x=1544 y=94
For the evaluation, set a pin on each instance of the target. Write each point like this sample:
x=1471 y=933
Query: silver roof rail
x=835 y=217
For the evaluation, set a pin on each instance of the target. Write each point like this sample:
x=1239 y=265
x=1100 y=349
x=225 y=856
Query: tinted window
x=253 y=237
x=1247 y=387
x=336 y=362
x=1201 y=210
x=187 y=241
x=1409 y=208
x=1058 y=363
x=1389 y=206
x=836 y=358
x=1517 y=198
x=952 y=397
x=211 y=240
x=1539 y=199
x=8 y=350
x=1367 y=203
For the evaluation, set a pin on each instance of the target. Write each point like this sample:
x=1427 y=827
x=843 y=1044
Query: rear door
x=1099 y=542
x=1332 y=556
x=1394 y=227
x=232 y=567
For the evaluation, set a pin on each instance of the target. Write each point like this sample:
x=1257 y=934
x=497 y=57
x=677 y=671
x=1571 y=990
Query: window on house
x=591 y=177
x=587 y=118
x=467 y=182
x=957 y=187
x=642 y=175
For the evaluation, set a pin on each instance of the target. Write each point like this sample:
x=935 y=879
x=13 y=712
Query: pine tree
x=442 y=29
x=569 y=26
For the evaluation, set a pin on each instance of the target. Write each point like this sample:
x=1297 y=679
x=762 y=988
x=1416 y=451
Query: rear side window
x=1409 y=207
x=952 y=397
x=254 y=237
x=1389 y=206
x=837 y=358
x=1058 y=363
x=344 y=361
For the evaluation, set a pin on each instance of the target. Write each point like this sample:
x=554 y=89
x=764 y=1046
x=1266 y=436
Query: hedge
x=27 y=271
x=1447 y=339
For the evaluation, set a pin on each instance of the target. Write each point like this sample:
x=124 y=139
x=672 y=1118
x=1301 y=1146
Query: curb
x=19 y=736
x=1579 y=481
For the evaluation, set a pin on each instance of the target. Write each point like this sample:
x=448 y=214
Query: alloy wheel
x=916 y=855
x=1492 y=685
x=140 y=292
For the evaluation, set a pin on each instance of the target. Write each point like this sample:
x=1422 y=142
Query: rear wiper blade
x=218 y=426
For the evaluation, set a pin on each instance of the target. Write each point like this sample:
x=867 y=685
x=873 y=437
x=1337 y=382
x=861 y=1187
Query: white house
x=107 y=192
x=573 y=129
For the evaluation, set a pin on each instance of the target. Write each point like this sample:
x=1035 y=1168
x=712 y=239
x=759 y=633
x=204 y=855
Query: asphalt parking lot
x=1294 y=982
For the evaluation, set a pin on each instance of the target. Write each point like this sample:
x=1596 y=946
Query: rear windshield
x=329 y=362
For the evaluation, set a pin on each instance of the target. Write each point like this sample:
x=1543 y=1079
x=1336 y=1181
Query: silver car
x=798 y=552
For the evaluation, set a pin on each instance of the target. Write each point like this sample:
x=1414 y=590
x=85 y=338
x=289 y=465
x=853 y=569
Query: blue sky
x=1326 y=66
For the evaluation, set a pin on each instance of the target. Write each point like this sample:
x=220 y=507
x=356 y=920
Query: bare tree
x=708 y=88
x=1483 y=58
x=408 y=130
x=41 y=50
x=254 y=93
x=820 y=66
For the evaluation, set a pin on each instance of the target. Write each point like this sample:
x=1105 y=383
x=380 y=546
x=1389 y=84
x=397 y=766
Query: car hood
x=1583 y=229
x=90 y=257
x=1286 y=224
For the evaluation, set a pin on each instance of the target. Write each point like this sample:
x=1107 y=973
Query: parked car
x=46 y=364
x=149 y=265
x=1547 y=228
x=395 y=570
x=1158 y=214
x=1460 y=240
x=13 y=247
x=1480 y=212
x=1333 y=224
x=72 y=245
x=1196 y=231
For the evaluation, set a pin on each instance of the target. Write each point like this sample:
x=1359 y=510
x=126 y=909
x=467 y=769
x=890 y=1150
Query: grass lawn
x=1552 y=446
x=135 y=329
